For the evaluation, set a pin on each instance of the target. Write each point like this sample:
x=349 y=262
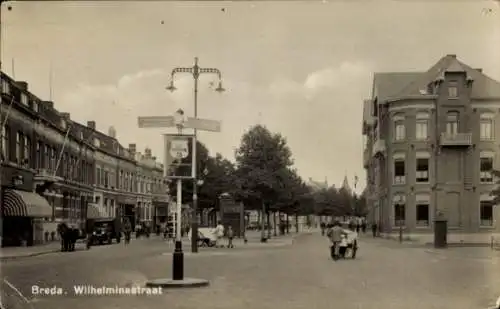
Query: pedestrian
x=127 y=230
x=363 y=226
x=230 y=235
x=374 y=229
x=219 y=234
x=335 y=235
x=323 y=227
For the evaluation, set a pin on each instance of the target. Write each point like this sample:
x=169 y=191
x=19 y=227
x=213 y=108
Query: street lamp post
x=195 y=71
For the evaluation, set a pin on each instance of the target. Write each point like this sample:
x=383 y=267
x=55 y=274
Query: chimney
x=452 y=55
x=66 y=116
x=132 y=149
x=49 y=104
x=147 y=152
x=91 y=125
x=22 y=85
x=479 y=70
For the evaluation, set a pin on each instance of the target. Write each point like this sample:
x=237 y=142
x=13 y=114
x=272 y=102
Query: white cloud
x=313 y=115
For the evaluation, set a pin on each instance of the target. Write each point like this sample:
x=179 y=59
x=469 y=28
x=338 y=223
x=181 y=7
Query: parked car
x=104 y=231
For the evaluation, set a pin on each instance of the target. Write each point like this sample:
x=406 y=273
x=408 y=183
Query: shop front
x=23 y=213
x=127 y=209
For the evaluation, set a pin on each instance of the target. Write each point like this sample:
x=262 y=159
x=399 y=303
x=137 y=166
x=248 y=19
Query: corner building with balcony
x=431 y=144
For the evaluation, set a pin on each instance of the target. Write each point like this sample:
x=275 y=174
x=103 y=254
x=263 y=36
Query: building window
x=452 y=90
x=53 y=159
x=98 y=176
x=106 y=178
x=39 y=155
x=422 y=174
x=399 y=171
x=24 y=99
x=423 y=217
x=5 y=143
x=486 y=127
x=399 y=128
x=27 y=151
x=46 y=157
x=399 y=213
x=486 y=213
x=5 y=87
x=452 y=123
x=486 y=168
x=19 y=148
x=422 y=126
x=35 y=106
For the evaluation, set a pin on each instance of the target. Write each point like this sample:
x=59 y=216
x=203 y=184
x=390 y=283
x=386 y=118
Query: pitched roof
x=403 y=84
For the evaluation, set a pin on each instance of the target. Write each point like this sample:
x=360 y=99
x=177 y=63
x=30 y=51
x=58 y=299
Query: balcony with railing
x=379 y=147
x=455 y=139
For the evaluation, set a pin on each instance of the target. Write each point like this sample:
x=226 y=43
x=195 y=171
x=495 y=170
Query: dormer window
x=35 y=106
x=81 y=135
x=453 y=90
x=97 y=142
x=63 y=124
x=24 y=99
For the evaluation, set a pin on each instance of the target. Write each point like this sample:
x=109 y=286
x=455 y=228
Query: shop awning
x=18 y=203
x=95 y=212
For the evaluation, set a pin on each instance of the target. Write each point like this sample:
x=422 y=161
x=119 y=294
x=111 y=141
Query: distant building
x=431 y=145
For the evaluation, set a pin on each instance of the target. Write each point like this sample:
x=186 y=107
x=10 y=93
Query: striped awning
x=25 y=204
x=95 y=212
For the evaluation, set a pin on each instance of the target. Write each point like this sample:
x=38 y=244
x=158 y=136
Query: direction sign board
x=173 y=121
x=178 y=156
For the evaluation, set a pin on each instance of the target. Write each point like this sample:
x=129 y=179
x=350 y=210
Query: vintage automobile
x=103 y=231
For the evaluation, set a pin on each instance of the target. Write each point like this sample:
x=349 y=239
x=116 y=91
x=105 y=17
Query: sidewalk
x=17 y=252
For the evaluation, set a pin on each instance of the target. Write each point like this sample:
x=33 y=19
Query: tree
x=263 y=159
x=360 y=207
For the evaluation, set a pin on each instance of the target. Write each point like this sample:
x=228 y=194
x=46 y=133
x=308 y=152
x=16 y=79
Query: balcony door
x=452 y=123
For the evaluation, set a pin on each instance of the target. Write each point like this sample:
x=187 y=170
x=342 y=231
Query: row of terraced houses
x=432 y=142
x=57 y=170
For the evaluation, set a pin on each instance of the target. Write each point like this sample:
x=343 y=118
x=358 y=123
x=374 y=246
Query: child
x=230 y=236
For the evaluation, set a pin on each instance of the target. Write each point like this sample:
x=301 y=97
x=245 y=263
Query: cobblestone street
x=294 y=276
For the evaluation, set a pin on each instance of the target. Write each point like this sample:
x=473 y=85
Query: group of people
x=341 y=240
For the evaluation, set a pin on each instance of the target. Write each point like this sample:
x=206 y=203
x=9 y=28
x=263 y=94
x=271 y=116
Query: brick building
x=40 y=146
x=55 y=169
x=431 y=145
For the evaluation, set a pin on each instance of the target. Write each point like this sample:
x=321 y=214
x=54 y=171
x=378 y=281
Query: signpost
x=177 y=150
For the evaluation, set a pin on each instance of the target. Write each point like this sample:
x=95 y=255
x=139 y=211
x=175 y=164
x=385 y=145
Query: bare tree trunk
x=274 y=223
x=287 y=224
x=296 y=223
x=268 y=224
x=262 y=224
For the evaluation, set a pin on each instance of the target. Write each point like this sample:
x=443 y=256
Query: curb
x=14 y=257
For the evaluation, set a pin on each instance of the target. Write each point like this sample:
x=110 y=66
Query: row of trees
x=263 y=178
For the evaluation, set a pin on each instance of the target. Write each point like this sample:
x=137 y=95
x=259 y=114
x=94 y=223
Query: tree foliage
x=263 y=161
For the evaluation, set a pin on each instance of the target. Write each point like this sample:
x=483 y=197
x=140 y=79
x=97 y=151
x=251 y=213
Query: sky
x=301 y=68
